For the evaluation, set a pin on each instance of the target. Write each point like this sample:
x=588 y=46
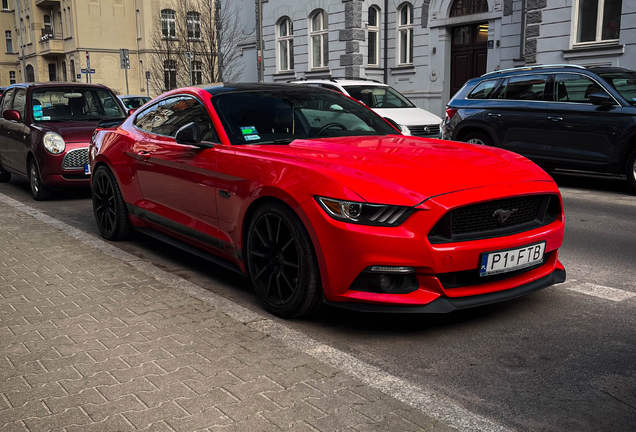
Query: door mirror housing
x=12 y=115
x=190 y=135
x=131 y=111
x=393 y=123
x=601 y=99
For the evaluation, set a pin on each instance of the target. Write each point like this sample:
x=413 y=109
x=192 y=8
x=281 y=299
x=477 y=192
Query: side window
x=574 y=88
x=176 y=112
x=6 y=100
x=484 y=90
x=525 y=87
x=19 y=101
x=144 y=119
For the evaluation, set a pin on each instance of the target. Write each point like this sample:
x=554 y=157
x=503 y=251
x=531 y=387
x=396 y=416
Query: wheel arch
x=627 y=149
x=464 y=129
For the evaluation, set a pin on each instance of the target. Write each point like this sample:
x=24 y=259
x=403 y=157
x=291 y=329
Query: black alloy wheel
x=38 y=190
x=109 y=206
x=5 y=175
x=282 y=263
x=630 y=171
x=479 y=138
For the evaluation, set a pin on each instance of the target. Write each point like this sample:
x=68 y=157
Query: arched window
x=168 y=24
x=72 y=64
x=405 y=30
x=170 y=74
x=64 y=75
x=374 y=39
x=7 y=36
x=319 y=28
x=30 y=74
x=285 y=30
x=194 y=25
x=468 y=7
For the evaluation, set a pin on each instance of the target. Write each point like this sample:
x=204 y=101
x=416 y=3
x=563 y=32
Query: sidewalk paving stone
x=89 y=343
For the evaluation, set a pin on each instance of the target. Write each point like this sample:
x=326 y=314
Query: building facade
x=50 y=40
x=427 y=49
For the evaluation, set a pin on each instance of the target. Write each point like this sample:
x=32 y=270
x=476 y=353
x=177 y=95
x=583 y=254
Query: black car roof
x=242 y=87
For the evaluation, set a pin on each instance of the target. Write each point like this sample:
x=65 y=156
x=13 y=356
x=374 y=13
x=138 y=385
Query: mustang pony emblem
x=503 y=214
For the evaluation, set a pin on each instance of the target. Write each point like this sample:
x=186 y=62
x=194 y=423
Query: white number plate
x=511 y=259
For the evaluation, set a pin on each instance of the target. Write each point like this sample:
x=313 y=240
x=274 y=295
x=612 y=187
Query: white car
x=386 y=101
x=133 y=101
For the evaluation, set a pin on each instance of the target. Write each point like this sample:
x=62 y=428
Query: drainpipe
x=261 y=64
x=21 y=44
x=522 y=35
x=386 y=41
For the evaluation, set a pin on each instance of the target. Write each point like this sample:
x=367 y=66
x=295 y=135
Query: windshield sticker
x=248 y=130
x=37 y=108
x=45 y=118
x=251 y=137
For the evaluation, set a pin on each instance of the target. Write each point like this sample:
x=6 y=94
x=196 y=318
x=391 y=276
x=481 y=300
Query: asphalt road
x=563 y=359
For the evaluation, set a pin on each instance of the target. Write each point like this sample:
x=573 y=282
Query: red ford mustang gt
x=320 y=200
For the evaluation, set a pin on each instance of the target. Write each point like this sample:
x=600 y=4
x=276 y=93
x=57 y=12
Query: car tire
x=479 y=138
x=630 y=171
x=109 y=207
x=38 y=190
x=282 y=263
x=5 y=175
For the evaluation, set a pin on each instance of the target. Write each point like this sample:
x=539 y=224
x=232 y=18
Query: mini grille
x=420 y=130
x=75 y=159
x=481 y=217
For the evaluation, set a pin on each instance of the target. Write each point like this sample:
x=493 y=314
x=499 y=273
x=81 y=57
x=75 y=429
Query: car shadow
x=592 y=182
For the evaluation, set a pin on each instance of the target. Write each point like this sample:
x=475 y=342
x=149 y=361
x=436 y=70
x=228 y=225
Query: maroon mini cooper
x=45 y=130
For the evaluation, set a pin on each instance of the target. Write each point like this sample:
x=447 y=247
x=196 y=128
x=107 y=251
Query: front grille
x=483 y=220
x=421 y=130
x=75 y=159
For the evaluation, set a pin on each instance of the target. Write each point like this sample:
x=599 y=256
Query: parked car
x=45 y=130
x=134 y=101
x=313 y=195
x=386 y=101
x=560 y=116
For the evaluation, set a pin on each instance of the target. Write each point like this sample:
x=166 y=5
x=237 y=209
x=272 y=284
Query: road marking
x=600 y=291
x=436 y=406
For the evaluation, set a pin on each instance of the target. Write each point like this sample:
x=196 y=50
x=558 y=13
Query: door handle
x=555 y=119
x=494 y=115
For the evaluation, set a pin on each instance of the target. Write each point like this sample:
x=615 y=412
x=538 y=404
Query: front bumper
x=344 y=251
x=54 y=173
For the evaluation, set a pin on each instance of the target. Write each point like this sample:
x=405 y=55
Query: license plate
x=87 y=169
x=511 y=259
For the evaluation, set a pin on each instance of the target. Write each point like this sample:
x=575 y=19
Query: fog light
x=392 y=269
x=386 y=281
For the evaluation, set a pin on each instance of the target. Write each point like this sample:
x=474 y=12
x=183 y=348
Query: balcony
x=47 y=2
x=51 y=43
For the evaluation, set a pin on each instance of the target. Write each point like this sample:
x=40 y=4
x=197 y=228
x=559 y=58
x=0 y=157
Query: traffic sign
x=124 y=59
x=91 y=71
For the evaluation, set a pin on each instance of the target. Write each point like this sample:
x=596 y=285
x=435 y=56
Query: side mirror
x=190 y=135
x=394 y=124
x=12 y=115
x=600 y=99
x=131 y=111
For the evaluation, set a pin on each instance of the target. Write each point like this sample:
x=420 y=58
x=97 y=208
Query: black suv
x=560 y=116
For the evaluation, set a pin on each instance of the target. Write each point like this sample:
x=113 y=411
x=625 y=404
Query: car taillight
x=450 y=112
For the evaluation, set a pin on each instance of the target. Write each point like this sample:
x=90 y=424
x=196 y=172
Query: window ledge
x=318 y=72
x=283 y=76
x=403 y=70
x=594 y=50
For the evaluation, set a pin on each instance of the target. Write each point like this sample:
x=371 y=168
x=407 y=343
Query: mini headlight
x=363 y=213
x=53 y=143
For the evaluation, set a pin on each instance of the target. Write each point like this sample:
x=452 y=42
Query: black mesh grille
x=421 y=130
x=496 y=218
x=75 y=159
x=481 y=217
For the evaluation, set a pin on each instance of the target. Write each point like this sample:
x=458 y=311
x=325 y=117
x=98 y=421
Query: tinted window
x=526 y=87
x=484 y=90
x=74 y=103
x=135 y=102
x=176 y=112
x=19 y=101
x=575 y=88
x=624 y=83
x=6 y=100
x=145 y=117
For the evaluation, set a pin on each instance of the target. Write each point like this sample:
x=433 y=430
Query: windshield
x=280 y=116
x=624 y=83
x=135 y=102
x=74 y=104
x=378 y=96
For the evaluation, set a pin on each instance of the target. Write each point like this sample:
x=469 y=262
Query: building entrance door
x=469 y=52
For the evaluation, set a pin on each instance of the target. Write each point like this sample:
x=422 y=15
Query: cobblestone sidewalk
x=89 y=343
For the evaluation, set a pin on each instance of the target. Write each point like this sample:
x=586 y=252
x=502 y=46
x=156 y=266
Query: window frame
x=554 y=89
x=193 y=24
x=598 y=40
x=408 y=29
x=323 y=35
x=503 y=86
x=197 y=72
x=169 y=21
x=373 y=29
x=12 y=77
x=289 y=38
x=5 y=5
x=168 y=69
x=8 y=37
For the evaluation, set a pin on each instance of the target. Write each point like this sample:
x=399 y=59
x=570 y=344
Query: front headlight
x=54 y=143
x=363 y=213
x=405 y=130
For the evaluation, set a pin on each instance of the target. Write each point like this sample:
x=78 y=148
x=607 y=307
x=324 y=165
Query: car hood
x=71 y=132
x=402 y=170
x=409 y=116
